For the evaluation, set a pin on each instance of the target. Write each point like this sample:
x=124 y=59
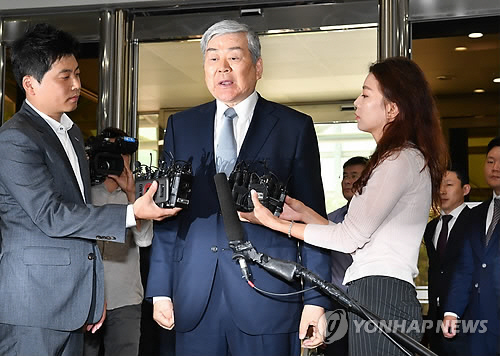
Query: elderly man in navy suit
x=193 y=280
x=473 y=292
x=51 y=272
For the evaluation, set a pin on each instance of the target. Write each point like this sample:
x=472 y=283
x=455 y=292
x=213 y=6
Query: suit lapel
x=77 y=141
x=51 y=140
x=477 y=241
x=429 y=237
x=259 y=130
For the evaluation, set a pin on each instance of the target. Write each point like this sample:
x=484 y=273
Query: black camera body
x=105 y=156
x=174 y=183
x=271 y=192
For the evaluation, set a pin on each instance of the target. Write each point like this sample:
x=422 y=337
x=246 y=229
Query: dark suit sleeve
x=165 y=232
x=27 y=182
x=461 y=281
x=307 y=186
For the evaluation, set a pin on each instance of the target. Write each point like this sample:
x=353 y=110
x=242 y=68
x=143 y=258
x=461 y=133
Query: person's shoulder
x=334 y=215
x=282 y=110
x=195 y=112
x=480 y=208
x=19 y=122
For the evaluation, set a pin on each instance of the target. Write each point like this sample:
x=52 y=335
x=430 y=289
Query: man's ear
x=259 y=68
x=392 y=110
x=466 y=189
x=28 y=84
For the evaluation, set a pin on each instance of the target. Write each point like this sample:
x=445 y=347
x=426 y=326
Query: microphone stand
x=290 y=270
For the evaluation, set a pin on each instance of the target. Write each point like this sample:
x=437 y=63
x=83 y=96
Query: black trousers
x=119 y=334
x=394 y=301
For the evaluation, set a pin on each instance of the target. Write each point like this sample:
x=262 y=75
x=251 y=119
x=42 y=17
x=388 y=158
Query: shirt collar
x=66 y=123
x=495 y=196
x=455 y=212
x=244 y=109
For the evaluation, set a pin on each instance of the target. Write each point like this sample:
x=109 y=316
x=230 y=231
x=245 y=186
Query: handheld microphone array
x=232 y=224
x=289 y=270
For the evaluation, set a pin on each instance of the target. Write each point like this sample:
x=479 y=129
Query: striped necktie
x=494 y=221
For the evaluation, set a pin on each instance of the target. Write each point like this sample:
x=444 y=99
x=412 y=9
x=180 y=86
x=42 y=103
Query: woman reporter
x=387 y=216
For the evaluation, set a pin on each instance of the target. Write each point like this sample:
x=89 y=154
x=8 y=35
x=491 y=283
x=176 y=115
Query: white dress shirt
x=61 y=130
x=454 y=216
x=244 y=110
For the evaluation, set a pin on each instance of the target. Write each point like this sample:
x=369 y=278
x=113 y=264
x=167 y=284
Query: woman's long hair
x=417 y=124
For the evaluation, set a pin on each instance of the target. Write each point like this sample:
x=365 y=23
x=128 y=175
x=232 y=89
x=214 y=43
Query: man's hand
x=163 y=313
x=146 y=208
x=126 y=179
x=312 y=315
x=449 y=326
x=94 y=327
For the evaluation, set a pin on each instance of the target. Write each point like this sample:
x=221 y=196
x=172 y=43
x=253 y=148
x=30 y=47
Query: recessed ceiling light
x=460 y=49
x=496 y=80
x=479 y=90
x=475 y=35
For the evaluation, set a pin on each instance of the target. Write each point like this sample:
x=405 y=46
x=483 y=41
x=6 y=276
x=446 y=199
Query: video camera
x=174 y=183
x=270 y=190
x=105 y=155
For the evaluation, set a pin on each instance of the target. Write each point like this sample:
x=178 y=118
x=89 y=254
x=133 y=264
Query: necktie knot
x=230 y=113
x=446 y=218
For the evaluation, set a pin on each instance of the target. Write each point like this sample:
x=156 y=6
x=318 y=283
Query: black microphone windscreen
x=232 y=223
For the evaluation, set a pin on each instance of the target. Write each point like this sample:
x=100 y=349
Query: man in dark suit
x=51 y=283
x=472 y=294
x=443 y=239
x=192 y=275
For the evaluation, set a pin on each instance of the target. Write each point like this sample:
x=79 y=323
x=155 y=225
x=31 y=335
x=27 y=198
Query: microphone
x=232 y=224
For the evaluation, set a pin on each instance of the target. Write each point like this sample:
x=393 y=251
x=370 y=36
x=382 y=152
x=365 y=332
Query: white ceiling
x=307 y=67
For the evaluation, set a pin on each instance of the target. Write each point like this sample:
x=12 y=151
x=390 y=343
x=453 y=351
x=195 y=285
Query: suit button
x=483 y=265
x=476 y=285
x=91 y=256
x=213 y=249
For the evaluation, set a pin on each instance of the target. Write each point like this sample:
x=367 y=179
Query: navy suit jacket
x=472 y=294
x=189 y=248
x=441 y=269
x=51 y=273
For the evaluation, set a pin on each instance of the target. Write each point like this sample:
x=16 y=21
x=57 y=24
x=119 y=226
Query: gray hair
x=230 y=26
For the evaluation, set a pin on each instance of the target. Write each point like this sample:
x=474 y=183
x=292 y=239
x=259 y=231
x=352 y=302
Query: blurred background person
x=352 y=170
x=443 y=238
x=120 y=333
x=472 y=296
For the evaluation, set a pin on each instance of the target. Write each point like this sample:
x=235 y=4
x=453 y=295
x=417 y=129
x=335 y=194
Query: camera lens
x=104 y=165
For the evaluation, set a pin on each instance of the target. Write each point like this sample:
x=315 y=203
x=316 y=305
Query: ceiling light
x=444 y=77
x=479 y=90
x=460 y=49
x=496 y=80
x=475 y=35
x=347 y=27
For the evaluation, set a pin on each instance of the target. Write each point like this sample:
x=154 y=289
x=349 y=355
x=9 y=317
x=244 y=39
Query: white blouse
x=384 y=225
